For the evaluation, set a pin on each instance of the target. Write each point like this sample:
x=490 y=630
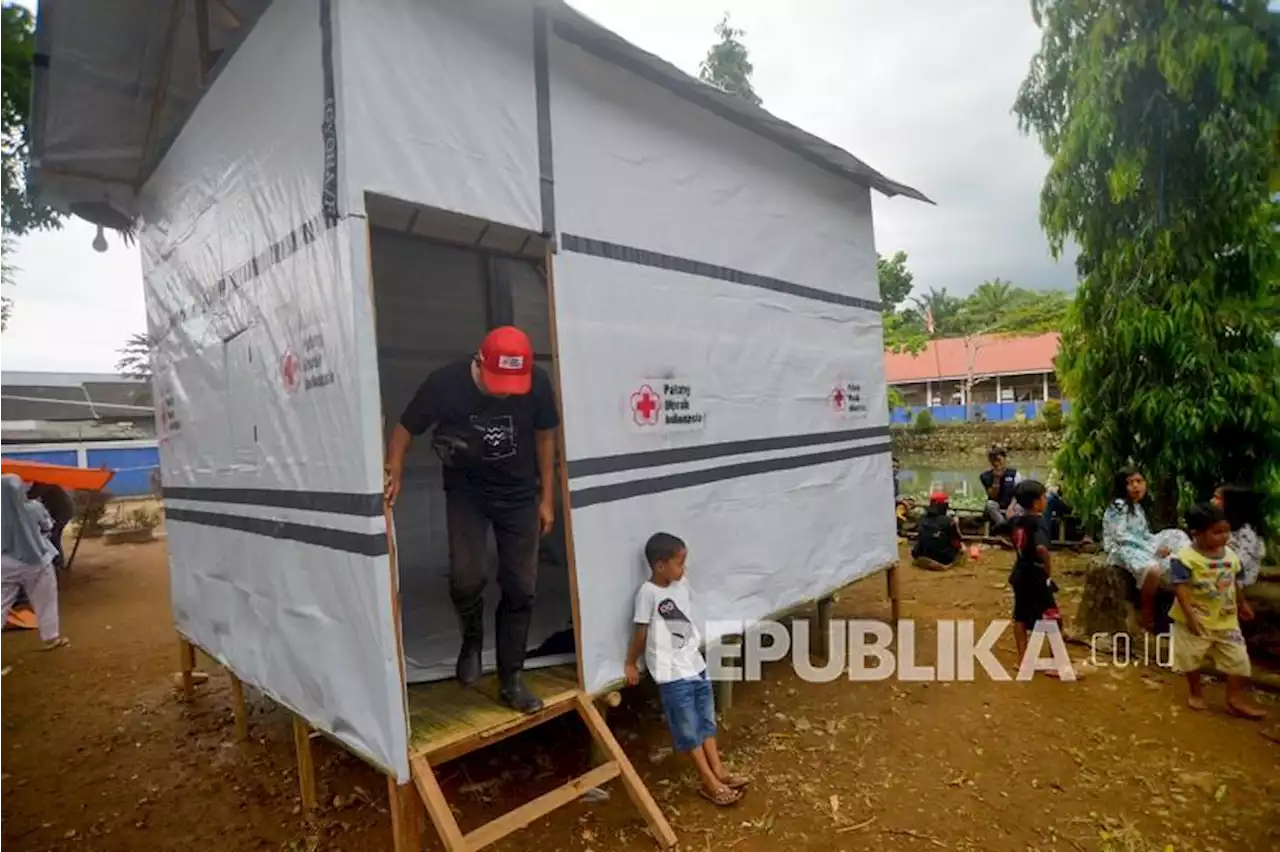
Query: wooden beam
x=306 y=768
x=202 y=40
x=456 y=749
x=563 y=472
x=895 y=594
x=424 y=779
x=639 y=794
x=492 y=832
x=237 y=705
x=823 y=643
x=230 y=14
x=161 y=93
x=186 y=666
x=406 y=816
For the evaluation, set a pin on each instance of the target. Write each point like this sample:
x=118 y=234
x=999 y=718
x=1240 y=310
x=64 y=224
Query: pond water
x=958 y=476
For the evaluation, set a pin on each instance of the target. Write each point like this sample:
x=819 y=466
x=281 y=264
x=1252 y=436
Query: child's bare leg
x=710 y=781
x=1195 y=691
x=1020 y=639
x=1238 y=698
x=713 y=758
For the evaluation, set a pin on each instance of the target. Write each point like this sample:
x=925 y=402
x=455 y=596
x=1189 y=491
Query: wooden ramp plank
x=492 y=832
x=437 y=806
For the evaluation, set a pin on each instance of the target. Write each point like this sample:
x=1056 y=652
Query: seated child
x=1031 y=577
x=1206 y=617
x=1243 y=510
x=938 y=542
x=666 y=634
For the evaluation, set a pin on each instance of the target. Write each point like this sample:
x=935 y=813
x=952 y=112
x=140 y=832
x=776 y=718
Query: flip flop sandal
x=721 y=798
x=1251 y=717
x=60 y=642
x=735 y=782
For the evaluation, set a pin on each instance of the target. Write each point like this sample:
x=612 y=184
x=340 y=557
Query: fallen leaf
x=835 y=804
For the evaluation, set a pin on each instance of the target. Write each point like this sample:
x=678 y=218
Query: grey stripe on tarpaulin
x=364 y=544
x=640 y=487
x=658 y=458
x=336 y=502
x=329 y=123
x=542 y=103
x=645 y=257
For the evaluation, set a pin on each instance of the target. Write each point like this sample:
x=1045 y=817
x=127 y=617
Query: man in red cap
x=938 y=541
x=494 y=419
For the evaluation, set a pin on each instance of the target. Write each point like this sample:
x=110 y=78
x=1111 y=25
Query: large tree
x=135 y=357
x=20 y=213
x=1160 y=120
x=727 y=65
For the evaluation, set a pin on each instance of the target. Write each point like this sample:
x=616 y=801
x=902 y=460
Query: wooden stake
x=306 y=769
x=895 y=607
x=187 y=665
x=237 y=704
x=823 y=644
x=406 y=816
x=437 y=807
x=639 y=794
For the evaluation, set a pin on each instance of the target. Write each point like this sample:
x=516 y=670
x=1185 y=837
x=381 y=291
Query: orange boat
x=70 y=478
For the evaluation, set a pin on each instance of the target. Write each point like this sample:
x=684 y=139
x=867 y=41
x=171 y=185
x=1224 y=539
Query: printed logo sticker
x=510 y=362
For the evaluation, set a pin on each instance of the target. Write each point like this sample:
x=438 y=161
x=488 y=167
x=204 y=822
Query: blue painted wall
x=133 y=465
x=993 y=412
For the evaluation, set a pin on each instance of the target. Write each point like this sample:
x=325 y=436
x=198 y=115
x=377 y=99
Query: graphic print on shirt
x=677 y=623
x=498 y=434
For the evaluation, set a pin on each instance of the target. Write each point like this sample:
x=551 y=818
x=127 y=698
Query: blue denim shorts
x=690 y=709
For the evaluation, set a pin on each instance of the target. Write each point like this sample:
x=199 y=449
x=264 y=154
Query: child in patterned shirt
x=1206 y=617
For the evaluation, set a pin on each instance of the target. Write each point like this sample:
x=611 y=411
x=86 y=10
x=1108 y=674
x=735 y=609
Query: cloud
x=921 y=91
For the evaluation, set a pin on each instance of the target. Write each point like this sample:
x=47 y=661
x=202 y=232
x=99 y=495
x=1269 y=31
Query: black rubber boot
x=517 y=697
x=469 y=662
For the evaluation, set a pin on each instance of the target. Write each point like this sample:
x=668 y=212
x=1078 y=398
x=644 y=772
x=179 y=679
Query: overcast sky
x=920 y=91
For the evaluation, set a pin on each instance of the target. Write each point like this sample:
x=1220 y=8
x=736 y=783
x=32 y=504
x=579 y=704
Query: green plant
x=1051 y=414
x=924 y=422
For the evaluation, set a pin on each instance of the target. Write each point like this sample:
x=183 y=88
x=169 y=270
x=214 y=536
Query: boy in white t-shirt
x=668 y=638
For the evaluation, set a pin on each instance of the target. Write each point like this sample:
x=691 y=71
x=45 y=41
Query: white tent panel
x=637 y=165
x=439 y=105
x=277 y=540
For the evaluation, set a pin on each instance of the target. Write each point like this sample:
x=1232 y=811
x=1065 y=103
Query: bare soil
x=99 y=754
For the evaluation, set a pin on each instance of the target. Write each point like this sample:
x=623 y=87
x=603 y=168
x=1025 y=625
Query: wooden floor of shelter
x=444 y=715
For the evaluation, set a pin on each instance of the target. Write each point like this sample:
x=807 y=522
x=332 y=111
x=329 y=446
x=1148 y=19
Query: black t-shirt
x=1029 y=535
x=937 y=537
x=506 y=466
x=1008 y=481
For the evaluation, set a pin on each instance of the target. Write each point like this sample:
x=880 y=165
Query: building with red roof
x=1008 y=372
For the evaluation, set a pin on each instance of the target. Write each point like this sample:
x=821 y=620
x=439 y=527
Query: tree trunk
x=1104 y=604
x=1164 y=513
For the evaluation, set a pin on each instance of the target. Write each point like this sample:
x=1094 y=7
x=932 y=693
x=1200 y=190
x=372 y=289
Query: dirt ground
x=99 y=754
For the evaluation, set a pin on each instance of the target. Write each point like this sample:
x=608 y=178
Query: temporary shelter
x=336 y=197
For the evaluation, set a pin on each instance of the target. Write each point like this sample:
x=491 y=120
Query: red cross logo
x=645 y=406
x=289 y=371
x=837 y=399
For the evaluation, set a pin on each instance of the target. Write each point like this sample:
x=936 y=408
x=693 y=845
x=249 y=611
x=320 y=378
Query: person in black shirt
x=938 y=540
x=60 y=508
x=494 y=418
x=1032 y=574
x=1000 y=481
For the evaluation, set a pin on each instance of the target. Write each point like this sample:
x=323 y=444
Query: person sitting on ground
x=1129 y=543
x=999 y=480
x=1206 y=617
x=1031 y=579
x=27 y=561
x=1243 y=510
x=667 y=636
x=938 y=544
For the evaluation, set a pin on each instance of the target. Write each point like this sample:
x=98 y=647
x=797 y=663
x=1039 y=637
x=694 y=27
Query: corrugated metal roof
x=994 y=356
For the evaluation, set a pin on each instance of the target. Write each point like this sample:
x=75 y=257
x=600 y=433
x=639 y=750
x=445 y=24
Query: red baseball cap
x=506 y=361
x=938 y=497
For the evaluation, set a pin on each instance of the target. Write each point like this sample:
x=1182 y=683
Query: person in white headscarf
x=26 y=563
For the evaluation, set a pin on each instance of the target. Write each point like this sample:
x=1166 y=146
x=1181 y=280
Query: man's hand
x=1163 y=552
x=632 y=673
x=546 y=514
x=391 y=485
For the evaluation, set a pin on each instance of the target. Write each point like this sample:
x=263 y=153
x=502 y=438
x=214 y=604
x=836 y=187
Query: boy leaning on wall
x=665 y=633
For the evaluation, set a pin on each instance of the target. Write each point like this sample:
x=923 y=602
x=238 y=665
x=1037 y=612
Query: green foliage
x=727 y=66
x=8 y=273
x=1051 y=414
x=924 y=422
x=17 y=50
x=135 y=357
x=896 y=399
x=1161 y=123
x=895 y=280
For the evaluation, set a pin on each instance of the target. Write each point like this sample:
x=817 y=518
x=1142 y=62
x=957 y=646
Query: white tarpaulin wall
x=696 y=253
x=267 y=392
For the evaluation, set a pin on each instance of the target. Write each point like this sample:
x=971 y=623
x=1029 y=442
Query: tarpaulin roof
x=116 y=82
